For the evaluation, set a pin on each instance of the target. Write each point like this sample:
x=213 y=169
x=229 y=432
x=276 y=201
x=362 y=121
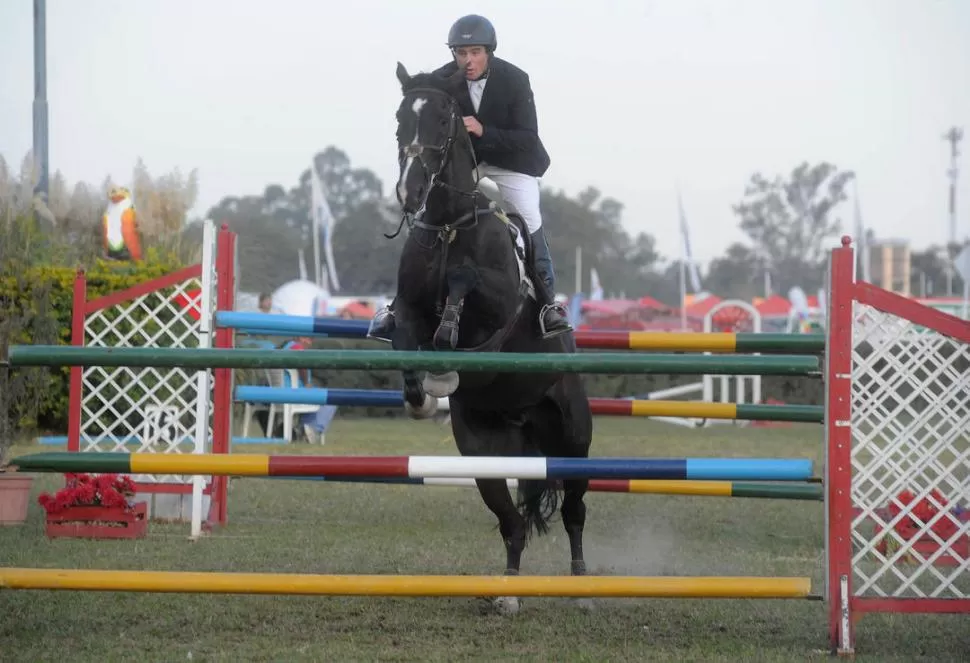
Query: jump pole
x=404 y=585
x=268 y=323
x=748 y=489
x=375 y=360
x=441 y=467
x=599 y=406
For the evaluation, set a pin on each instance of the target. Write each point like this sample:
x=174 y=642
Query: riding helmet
x=472 y=30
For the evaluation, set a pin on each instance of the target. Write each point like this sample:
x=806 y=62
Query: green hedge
x=35 y=308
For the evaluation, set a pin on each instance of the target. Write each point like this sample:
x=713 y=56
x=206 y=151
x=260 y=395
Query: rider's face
x=473 y=59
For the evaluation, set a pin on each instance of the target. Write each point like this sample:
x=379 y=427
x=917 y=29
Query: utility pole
x=953 y=136
x=40 y=155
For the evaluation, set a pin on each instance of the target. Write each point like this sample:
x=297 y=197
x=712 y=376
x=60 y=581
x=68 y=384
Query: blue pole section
x=266 y=323
x=274 y=332
x=750 y=469
x=715 y=469
x=317 y=396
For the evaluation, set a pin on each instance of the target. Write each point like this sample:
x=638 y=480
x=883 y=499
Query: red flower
x=63 y=500
x=924 y=511
x=86 y=493
x=125 y=486
x=113 y=499
x=108 y=490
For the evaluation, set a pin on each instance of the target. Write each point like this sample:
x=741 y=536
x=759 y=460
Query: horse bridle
x=418 y=150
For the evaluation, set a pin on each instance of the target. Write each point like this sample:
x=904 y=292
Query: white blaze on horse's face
x=402 y=184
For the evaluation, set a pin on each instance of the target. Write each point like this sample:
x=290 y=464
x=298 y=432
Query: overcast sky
x=633 y=97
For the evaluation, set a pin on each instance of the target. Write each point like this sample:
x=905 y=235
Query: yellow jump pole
x=391 y=585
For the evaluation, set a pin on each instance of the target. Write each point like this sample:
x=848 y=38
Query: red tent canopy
x=774 y=306
x=700 y=309
x=650 y=302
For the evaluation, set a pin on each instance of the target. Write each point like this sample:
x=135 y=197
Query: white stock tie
x=475 y=90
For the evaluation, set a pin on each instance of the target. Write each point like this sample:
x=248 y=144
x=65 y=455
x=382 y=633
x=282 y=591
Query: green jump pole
x=384 y=360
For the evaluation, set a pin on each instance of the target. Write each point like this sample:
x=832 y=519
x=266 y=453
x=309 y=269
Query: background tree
x=625 y=264
x=791 y=221
x=739 y=274
x=274 y=226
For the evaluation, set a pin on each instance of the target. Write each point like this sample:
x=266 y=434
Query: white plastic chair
x=252 y=408
x=274 y=378
x=289 y=409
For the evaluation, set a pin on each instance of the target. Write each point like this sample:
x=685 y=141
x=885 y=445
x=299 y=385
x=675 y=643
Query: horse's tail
x=538 y=503
x=538 y=499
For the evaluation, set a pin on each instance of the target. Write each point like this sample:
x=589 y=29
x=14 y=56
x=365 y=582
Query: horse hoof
x=446 y=338
x=586 y=604
x=506 y=605
x=427 y=409
x=440 y=385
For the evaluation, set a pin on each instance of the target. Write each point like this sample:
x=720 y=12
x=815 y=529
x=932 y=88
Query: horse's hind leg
x=512 y=527
x=572 y=433
x=573 y=513
x=488 y=434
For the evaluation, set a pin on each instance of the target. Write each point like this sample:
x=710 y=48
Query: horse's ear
x=403 y=76
x=457 y=78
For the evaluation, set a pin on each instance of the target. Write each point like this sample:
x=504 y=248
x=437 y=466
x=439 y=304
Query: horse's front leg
x=460 y=280
x=417 y=402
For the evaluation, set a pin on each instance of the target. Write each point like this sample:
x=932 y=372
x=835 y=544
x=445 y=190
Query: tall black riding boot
x=382 y=324
x=553 y=319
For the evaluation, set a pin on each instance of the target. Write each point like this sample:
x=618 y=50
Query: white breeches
x=520 y=193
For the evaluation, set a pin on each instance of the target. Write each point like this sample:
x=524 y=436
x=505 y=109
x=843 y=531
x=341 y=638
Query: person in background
x=314 y=423
x=265 y=302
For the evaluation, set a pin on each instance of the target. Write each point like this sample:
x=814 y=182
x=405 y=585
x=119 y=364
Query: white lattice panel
x=910 y=432
x=146 y=410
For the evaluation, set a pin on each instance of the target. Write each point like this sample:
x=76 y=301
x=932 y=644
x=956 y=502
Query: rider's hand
x=473 y=125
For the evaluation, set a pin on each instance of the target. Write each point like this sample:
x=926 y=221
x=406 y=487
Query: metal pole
x=579 y=269
x=953 y=136
x=40 y=154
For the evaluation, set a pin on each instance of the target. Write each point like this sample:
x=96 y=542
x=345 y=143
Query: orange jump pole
x=392 y=585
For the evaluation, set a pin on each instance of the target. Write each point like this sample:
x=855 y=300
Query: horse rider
x=505 y=135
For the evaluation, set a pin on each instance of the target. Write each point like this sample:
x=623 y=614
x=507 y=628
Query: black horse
x=464 y=284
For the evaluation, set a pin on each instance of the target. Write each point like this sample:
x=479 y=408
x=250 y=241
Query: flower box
x=99 y=522
x=95 y=507
x=956 y=547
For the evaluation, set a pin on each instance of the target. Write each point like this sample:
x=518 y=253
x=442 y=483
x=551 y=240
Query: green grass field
x=313 y=527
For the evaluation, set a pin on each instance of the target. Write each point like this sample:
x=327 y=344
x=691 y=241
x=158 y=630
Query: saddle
x=522 y=243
